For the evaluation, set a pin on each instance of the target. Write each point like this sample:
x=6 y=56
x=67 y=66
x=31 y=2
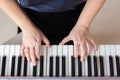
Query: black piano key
x=13 y=66
x=41 y=65
x=111 y=66
x=72 y=66
x=95 y=66
x=51 y=66
x=89 y=66
x=79 y=67
x=63 y=66
x=3 y=66
x=57 y=66
x=19 y=65
x=34 y=70
x=25 y=67
x=118 y=65
x=101 y=66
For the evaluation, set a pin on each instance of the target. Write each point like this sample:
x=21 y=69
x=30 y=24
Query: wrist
x=82 y=27
x=27 y=28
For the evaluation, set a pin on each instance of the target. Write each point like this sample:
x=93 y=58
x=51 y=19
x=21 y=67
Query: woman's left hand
x=83 y=43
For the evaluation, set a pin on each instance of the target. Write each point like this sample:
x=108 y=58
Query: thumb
x=46 y=41
x=66 y=39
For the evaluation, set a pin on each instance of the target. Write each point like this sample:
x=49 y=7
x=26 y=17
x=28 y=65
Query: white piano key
x=1 y=55
x=113 y=53
x=65 y=53
x=12 y=51
x=48 y=54
x=22 y=66
x=102 y=50
x=54 y=54
x=60 y=50
x=60 y=57
x=48 y=60
x=2 y=50
x=44 y=53
x=17 y=54
x=29 y=68
x=85 y=67
x=102 y=53
x=70 y=49
x=17 y=50
x=2 y=47
x=118 y=50
x=38 y=61
x=98 y=62
x=38 y=68
x=60 y=73
x=1 y=64
x=76 y=67
x=92 y=63
x=7 y=48
x=107 y=49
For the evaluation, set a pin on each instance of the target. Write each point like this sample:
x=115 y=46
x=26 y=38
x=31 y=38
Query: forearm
x=13 y=10
x=89 y=12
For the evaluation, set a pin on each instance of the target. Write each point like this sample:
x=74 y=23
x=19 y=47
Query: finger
x=66 y=39
x=37 y=50
x=46 y=41
x=83 y=51
x=94 y=44
x=27 y=54
x=88 y=48
x=76 y=49
x=32 y=55
x=96 y=50
x=22 y=51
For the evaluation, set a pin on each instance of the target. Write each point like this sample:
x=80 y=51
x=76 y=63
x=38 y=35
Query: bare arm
x=13 y=10
x=32 y=36
x=89 y=12
x=80 y=35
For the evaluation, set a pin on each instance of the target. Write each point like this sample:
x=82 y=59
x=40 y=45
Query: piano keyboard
x=58 y=61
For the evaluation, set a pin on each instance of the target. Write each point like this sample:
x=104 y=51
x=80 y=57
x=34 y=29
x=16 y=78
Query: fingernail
x=29 y=60
x=34 y=64
x=48 y=46
x=21 y=55
x=60 y=44
x=81 y=60
x=75 y=56
x=38 y=58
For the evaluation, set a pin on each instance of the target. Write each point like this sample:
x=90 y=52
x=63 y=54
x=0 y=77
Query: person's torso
x=50 y=5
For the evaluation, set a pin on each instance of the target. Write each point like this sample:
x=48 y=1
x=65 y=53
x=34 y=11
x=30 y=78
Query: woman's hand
x=83 y=43
x=31 y=44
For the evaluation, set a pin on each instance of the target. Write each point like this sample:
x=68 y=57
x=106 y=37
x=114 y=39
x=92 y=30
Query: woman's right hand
x=31 y=43
x=32 y=36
